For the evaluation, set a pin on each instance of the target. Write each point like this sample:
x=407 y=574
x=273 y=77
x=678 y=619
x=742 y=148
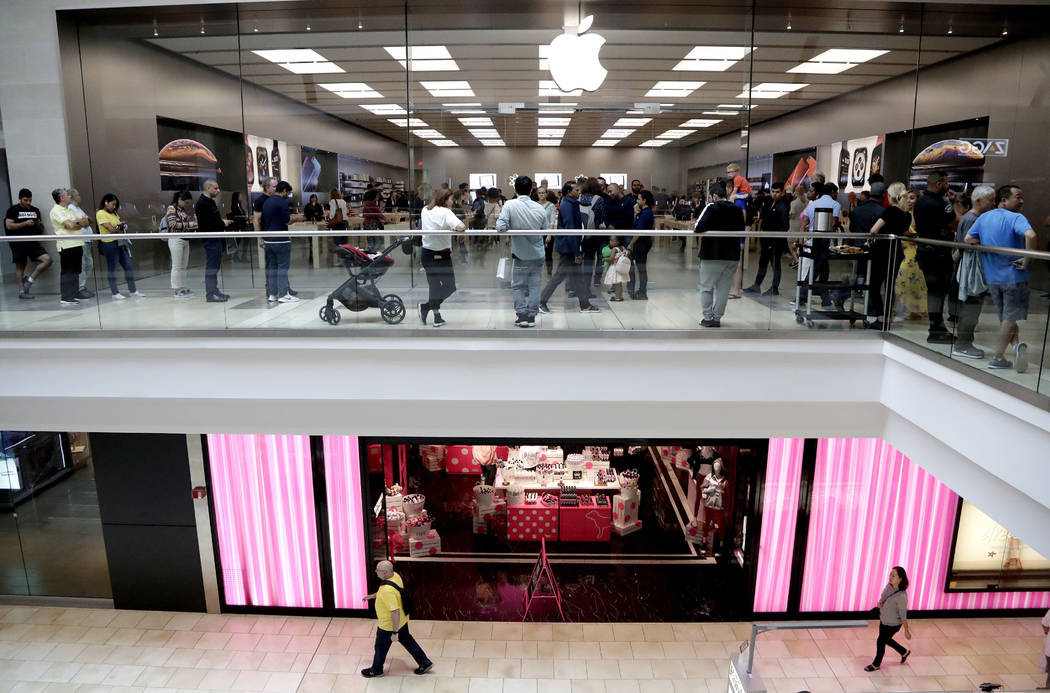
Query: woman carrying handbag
x=893 y=616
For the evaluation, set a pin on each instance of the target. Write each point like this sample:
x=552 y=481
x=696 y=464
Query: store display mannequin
x=701 y=464
x=712 y=491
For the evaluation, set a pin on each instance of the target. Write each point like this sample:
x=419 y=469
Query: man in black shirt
x=209 y=220
x=935 y=219
x=23 y=219
x=773 y=214
x=718 y=256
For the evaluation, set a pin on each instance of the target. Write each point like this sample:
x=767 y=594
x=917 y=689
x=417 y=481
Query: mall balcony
x=212 y=431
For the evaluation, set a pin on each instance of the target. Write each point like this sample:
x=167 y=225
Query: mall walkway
x=51 y=649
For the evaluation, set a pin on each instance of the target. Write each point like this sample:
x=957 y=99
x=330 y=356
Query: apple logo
x=573 y=59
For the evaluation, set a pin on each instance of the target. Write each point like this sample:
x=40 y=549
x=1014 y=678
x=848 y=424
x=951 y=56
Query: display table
x=532 y=522
x=587 y=521
x=582 y=485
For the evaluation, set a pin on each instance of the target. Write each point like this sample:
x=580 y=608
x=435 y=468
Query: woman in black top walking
x=893 y=615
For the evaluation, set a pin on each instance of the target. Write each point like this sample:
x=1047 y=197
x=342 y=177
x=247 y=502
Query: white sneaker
x=1021 y=357
x=271 y=299
x=119 y=297
x=137 y=294
x=288 y=298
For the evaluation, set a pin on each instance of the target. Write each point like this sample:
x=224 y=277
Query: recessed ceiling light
x=548 y=143
x=406 y=122
x=424 y=58
x=467 y=111
x=353 y=90
x=325 y=68
x=475 y=122
x=675 y=134
x=549 y=88
x=443 y=143
x=552 y=122
x=631 y=122
x=428 y=134
x=439 y=89
x=605 y=143
x=615 y=133
x=635 y=111
x=383 y=108
x=301 y=61
x=733 y=105
x=711 y=58
x=673 y=88
x=654 y=143
x=550 y=133
x=836 y=60
x=699 y=123
x=770 y=90
x=722 y=113
x=493 y=143
x=544 y=53
x=485 y=133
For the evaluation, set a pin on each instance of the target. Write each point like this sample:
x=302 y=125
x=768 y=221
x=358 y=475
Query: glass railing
x=829 y=284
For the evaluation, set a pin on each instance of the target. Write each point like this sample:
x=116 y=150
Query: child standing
x=619 y=268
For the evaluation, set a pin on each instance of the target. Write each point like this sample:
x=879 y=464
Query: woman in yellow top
x=116 y=251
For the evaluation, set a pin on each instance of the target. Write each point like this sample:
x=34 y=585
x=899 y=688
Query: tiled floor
x=66 y=650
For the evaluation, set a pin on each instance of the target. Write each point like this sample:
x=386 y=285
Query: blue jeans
x=278 y=260
x=212 y=263
x=117 y=255
x=526 y=278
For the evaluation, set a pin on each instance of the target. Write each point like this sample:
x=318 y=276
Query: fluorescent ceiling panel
x=673 y=88
x=847 y=55
x=548 y=143
x=406 y=122
x=654 y=143
x=553 y=122
x=675 y=134
x=549 y=88
x=443 y=143
x=820 y=68
x=485 y=133
x=460 y=105
x=291 y=55
x=493 y=143
x=711 y=58
x=324 y=68
x=722 y=113
x=453 y=88
x=476 y=122
x=466 y=111
x=548 y=133
x=699 y=123
x=616 y=134
x=770 y=90
x=428 y=134
x=605 y=143
x=384 y=108
x=424 y=58
x=631 y=122
x=352 y=90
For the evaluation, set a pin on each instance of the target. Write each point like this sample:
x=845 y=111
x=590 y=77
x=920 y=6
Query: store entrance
x=635 y=530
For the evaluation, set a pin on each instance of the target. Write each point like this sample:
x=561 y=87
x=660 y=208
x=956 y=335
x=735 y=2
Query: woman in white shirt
x=436 y=253
x=338 y=215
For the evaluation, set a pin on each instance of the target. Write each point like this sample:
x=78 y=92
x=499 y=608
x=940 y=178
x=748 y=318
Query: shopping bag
x=503 y=269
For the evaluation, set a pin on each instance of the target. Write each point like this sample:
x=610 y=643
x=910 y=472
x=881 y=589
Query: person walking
x=116 y=251
x=177 y=220
x=893 y=616
x=774 y=217
x=570 y=252
x=718 y=256
x=23 y=219
x=392 y=617
x=436 y=254
x=525 y=214
x=209 y=220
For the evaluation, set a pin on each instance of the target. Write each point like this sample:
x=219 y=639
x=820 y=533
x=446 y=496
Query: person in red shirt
x=374 y=219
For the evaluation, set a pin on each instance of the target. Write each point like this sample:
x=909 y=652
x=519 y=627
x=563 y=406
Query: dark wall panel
x=155 y=568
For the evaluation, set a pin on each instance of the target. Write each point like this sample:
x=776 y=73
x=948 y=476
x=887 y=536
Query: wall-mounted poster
x=985 y=555
x=849 y=163
x=795 y=168
x=189 y=154
x=265 y=157
x=912 y=155
x=319 y=171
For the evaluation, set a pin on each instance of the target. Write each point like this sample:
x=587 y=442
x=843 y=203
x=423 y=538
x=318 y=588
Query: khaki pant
x=180 y=259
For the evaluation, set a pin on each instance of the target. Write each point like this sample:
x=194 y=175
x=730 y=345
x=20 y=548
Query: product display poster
x=985 y=546
x=319 y=171
x=265 y=157
x=795 y=168
x=618 y=178
x=912 y=155
x=553 y=180
x=189 y=154
x=849 y=163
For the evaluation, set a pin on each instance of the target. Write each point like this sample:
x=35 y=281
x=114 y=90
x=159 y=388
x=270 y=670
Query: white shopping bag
x=503 y=269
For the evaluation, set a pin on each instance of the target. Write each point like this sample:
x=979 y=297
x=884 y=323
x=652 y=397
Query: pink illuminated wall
x=873 y=508
x=262 y=489
x=779 y=515
x=342 y=466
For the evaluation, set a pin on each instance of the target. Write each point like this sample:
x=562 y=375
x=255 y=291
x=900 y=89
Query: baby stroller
x=359 y=292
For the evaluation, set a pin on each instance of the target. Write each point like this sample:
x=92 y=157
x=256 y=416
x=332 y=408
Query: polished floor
x=84 y=650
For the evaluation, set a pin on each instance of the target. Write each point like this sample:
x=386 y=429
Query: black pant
x=938 y=269
x=70 y=261
x=590 y=257
x=440 y=276
x=969 y=314
x=640 y=255
x=886 y=634
x=212 y=263
x=383 y=642
x=882 y=254
x=772 y=250
x=570 y=272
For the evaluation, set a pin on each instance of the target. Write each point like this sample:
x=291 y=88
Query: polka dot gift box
x=459 y=459
x=429 y=545
x=532 y=523
x=625 y=509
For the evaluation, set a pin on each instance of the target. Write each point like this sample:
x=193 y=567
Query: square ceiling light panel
x=442 y=89
x=476 y=122
x=548 y=143
x=770 y=90
x=443 y=143
x=493 y=143
x=605 y=143
x=301 y=61
x=721 y=113
x=353 y=90
x=711 y=58
x=674 y=89
x=549 y=88
x=674 y=134
x=836 y=60
x=699 y=123
x=428 y=134
x=384 y=108
x=616 y=134
x=552 y=122
x=631 y=122
x=408 y=122
x=485 y=133
x=654 y=143
x=550 y=133
x=424 y=58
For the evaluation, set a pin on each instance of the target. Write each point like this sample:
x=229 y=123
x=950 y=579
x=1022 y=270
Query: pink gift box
x=427 y=546
x=532 y=522
x=459 y=459
x=624 y=511
x=627 y=528
x=585 y=522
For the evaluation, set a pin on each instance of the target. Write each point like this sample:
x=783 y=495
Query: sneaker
x=877 y=325
x=183 y=293
x=369 y=674
x=217 y=298
x=1021 y=357
x=438 y=320
x=424 y=311
x=531 y=322
x=940 y=338
x=271 y=298
x=1000 y=363
x=753 y=289
x=544 y=309
x=119 y=297
x=524 y=322
x=72 y=302
x=968 y=351
x=422 y=668
x=25 y=294
x=292 y=292
x=85 y=294
x=710 y=323
x=27 y=284
x=136 y=294
x=590 y=309
x=771 y=292
x=288 y=298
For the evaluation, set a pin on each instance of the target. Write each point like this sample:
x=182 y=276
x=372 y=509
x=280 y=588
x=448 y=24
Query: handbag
x=623 y=263
x=503 y=269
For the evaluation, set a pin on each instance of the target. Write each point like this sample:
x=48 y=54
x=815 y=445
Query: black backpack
x=407 y=603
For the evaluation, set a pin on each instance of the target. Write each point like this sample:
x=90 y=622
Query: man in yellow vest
x=393 y=623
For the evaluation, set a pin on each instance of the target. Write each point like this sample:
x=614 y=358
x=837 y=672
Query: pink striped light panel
x=342 y=465
x=779 y=516
x=873 y=508
x=262 y=490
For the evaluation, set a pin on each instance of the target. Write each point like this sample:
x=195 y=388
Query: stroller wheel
x=330 y=315
x=392 y=309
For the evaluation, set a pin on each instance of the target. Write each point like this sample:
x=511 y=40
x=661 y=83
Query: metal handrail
x=674 y=233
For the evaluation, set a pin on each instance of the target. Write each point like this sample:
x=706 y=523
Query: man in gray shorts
x=1006 y=275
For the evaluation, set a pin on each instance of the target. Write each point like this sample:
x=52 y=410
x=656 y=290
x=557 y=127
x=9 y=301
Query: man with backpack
x=393 y=607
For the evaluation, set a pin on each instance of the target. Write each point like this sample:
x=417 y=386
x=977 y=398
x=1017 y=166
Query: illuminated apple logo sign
x=573 y=59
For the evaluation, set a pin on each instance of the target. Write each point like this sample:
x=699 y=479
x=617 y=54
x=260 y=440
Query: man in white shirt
x=826 y=199
x=87 y=264
x=522 y=214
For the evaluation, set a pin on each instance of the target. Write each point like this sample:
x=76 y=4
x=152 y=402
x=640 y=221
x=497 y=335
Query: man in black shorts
x=24 y=219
